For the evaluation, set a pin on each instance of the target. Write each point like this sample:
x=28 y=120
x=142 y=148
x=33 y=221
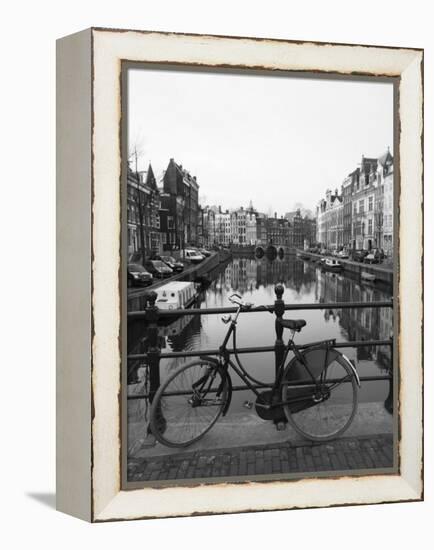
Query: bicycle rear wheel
x=188 y=403
x=323 y=410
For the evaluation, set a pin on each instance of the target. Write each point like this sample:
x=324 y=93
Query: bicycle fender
x=352 y=367
x=210 y=359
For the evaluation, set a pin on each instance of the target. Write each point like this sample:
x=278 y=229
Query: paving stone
x=344 y=454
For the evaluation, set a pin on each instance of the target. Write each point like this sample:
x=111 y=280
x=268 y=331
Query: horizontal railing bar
x=258 y=386
x=135 y=315
x=264 y=349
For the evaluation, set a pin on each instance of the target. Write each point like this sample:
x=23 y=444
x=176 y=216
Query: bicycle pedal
x=248 y=404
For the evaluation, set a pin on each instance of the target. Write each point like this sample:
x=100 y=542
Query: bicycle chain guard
x=273 y=413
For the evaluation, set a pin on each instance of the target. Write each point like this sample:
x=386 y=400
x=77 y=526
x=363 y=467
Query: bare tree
x=135 y=152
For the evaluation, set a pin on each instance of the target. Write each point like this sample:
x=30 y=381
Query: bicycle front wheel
x=323 y=409
x=188 y=403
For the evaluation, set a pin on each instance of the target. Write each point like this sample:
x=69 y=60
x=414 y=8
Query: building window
x=370 y=227
x=371 y=204
x=361 y=206
x=355 y=208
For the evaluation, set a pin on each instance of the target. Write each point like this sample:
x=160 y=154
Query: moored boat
x=176 y=295
x=367 y=276
x=332 y=265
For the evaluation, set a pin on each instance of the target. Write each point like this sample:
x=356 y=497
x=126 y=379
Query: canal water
x=304 y=282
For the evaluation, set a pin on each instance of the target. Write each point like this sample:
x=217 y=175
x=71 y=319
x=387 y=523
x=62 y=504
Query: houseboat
x=176 y=295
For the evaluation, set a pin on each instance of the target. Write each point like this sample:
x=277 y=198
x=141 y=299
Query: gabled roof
x=150 y=178
x=175 y=173
x=386 y=158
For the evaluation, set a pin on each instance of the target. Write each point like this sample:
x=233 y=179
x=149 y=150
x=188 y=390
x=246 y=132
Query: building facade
x=330 y=221
x=182 y=192
x=361 y=216
x=251 y=228
x=143 y=215
x=385 y=213
x=209 y=226
x=303 y=229
x=347 y=208
x=363 y=199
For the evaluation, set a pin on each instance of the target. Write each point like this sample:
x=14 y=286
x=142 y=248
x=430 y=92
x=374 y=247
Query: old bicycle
x=317 y=390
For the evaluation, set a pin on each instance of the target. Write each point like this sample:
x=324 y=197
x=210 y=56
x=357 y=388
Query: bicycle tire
x=327 y=419
x=174 y=420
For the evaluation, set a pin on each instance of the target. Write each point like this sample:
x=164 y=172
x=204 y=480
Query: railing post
x=279 y=346
x=279 y=310
x=153 y=353
x=388 y=403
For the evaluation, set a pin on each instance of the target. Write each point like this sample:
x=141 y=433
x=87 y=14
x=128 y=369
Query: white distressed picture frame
x=88 y=273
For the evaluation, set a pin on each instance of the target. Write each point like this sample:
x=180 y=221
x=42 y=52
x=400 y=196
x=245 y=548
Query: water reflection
x=304 y=282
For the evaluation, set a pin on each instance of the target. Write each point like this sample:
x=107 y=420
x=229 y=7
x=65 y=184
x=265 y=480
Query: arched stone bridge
x=274 y=250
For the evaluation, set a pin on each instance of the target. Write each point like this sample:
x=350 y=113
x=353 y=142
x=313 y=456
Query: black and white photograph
x=259 y=261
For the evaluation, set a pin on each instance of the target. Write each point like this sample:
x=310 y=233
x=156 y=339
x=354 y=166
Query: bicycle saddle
x=292 y=324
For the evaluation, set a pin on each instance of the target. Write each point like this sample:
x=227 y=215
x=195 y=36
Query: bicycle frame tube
x=243 y=377
x=291 y=346
x=231 y=329
x=225 y=355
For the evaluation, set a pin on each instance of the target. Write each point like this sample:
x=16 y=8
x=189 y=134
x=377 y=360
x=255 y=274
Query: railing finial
x=279 y=289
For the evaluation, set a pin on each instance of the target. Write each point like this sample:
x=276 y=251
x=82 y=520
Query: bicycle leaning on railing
x=317 y=390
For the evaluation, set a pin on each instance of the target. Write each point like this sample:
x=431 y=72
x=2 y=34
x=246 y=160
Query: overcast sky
x=274 y=140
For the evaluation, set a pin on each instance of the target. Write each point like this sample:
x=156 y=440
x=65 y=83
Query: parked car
x=138 y=275
x=158 y=268
x=204 y=252
x=374 y=257
x=192 y=255
x=359 y=255
x=174 y=264
x=343 y=254
x=370 y=259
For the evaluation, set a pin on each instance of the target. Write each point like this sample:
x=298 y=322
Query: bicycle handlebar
x=236 y=299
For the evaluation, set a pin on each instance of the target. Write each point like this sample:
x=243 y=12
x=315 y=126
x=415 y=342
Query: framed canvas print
x=239 y=260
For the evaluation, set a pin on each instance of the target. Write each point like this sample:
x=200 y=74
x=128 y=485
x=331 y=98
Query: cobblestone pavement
x=353 y=453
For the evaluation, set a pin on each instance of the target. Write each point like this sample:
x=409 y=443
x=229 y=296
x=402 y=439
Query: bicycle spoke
x=328 y=408
x=188 y=409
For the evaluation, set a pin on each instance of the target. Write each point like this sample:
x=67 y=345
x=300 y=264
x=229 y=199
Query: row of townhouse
x=360 y=216
x=224 y=227
x=247 y=227
x=169 y=218
x=165 y=218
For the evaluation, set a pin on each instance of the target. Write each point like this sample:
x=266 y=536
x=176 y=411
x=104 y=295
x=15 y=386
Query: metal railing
x=151 y=315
